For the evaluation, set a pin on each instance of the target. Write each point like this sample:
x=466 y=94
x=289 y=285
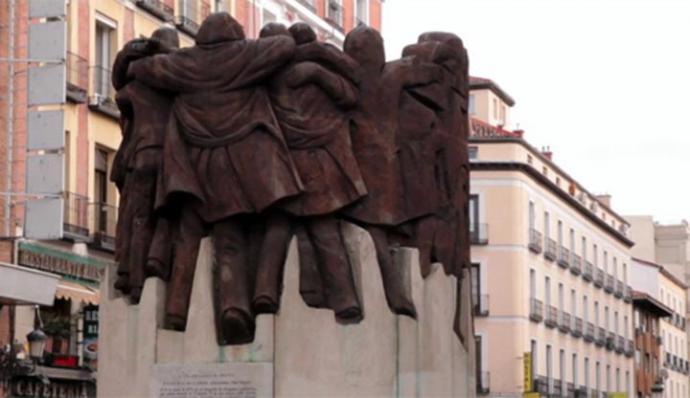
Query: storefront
x=67 y=316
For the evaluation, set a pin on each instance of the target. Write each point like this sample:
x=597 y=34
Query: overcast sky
x=604 y=83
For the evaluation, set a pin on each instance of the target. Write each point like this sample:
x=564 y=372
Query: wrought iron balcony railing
x=535 y=241
x=105 y=221
x=575 y=264
x=598 y=277
x=563 y=257
x=589 y=332
x=102 y=98
x=629 y=348
x=76 y=217
x=187 y=24
x=600 y=337
x=479 y=234
x=627 y=294
x=608 y=286
x=619 y=289
x=551 y=319
x=620 y=344
x=550 y=251
x=576 y=328
x=610 y=341
x=588 y=272
x=564 y=322
x=157 y=8
x=77 y=80
x=536 y=310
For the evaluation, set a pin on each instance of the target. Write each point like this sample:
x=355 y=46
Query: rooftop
x=482 y=83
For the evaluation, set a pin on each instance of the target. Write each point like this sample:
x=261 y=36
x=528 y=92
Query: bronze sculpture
x=259 y=140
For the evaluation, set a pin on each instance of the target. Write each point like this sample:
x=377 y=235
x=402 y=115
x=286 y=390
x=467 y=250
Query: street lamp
x=36 y=338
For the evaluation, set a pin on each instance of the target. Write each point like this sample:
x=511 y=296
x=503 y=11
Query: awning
x=23 y=285
x=75 y=291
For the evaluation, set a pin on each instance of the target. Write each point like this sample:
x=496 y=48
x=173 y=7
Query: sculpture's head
x=219 y=27
x=302 y=33
x=167 y=38
x=274 y=29
x=458 y=63
x=365 y=45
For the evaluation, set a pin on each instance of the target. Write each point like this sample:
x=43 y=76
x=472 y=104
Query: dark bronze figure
x=254 y=141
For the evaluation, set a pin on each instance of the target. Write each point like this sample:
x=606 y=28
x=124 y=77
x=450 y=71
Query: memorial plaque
x=226 y=380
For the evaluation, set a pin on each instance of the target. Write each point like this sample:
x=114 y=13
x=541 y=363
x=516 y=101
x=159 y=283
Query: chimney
x=519 y=133
x=546 y=151
x=604 y=199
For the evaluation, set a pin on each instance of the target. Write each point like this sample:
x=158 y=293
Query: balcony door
x=474 y=216
x=476 y=287
x=100 y=185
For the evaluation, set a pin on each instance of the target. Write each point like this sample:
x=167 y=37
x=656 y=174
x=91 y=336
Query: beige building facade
x=551 y=272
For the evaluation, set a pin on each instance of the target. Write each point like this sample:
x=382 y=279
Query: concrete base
x=312 y=356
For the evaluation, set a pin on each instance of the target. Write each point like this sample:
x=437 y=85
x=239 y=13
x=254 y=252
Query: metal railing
x=535 y=241
x=576 y=327
x=620 y=344
x=563 y=257
x=483 y=382
x=627 y=294
x=575 y=264
x=564 y=322
x=536 y=310
x=588 y=272
x=104 y=223
x=77 y=67
x=187 y=24
x=103 y=93
x=479 y=234
x=481 y=307
x=76 y=216
x=600 y=337
x=334 y=13
x=610 y=341
x=598 y=277
x=608 y=286
x=619 y=289
x=550 y=252
x=589 y=332
x=157 y=7
x=629 y=348
x=551 y=319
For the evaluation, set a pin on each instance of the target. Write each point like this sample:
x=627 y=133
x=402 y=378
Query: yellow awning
x=75 y=291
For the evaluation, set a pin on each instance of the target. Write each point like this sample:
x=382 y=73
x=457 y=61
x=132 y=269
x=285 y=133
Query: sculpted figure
x=224 y=159
x=143 y=243
x=310 y=100
x=375 y=145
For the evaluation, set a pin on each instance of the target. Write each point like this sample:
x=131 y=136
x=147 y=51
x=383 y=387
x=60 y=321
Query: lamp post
x=36 y=338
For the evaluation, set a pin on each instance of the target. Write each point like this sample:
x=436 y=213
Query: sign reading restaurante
x=60 y=262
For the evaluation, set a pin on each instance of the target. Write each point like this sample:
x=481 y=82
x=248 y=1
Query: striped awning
x=75 y=291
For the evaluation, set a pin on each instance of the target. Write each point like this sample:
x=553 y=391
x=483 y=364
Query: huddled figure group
x=253 y=141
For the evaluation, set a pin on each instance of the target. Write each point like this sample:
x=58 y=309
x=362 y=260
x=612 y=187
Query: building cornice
x=554 y=189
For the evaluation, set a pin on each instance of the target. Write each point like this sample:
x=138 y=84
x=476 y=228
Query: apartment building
x=60 y=133
x=656 y=281
x=649 y=375
x=551 y=268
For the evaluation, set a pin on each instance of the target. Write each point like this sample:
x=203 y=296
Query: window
x=560 y=233
x=268 y=17
x=606 y=317
x=586 y=370
x=625 y=326
x=532 y=215
x=595 y=253
x=472 y=152
x=472 y=107
x=574 y=370
x=105 y=46
x=187 y=9
x=503 y=114
x=596 y=313
x=585 y=309
x=479 y=366
x=584 y=249
x=219 y=5
x=532 y=283
x=475 y=287
x=573 y=302
x=561 y=365
x=549 y=368
x=618 y=379
x=101 y=191
x=560 y=297
x=597 y=376
x=615 y=322
x=362 y=13
x=615 y=268
x=547 y=291
x=529 y=159
x=533 y=346
x=572 y=241
x=608 y=378
x=547 y=230
x=606 y=261
x=495 y=107
x=474 y=214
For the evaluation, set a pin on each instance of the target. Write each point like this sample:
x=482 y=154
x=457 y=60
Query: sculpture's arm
x=264 y=57
x=165 y=71
x=132 y=51
x=410 y=72
x=330 y=56
x=340 y=89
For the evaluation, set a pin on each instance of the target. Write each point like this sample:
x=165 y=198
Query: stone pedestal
x=301 y=352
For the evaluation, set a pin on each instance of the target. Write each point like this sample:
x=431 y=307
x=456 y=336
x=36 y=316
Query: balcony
x=105 y=220
x=557 y=388
x=309 y=4
x=479 y=234
x=334 y=14
x=576 y=327
x=575 y=264
x=629 y=348
x=550 y=252
x=542 y=384
x=103 y=98
x=627 y=294
x=187 y=25
x=609 y=285
x=619 y=289
x=535 y=241
x=620 y=344
x=157 y=8
x=587 y=273
x=483 y=383
x=589 y=332
x=600 y=338
x=564 y=322
x=77 y=68
x=536 y=310
x=563 y=257
x=598 y=277
x=76 y=217
x=481 y=306
x=551 y=316
x=610 y=341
